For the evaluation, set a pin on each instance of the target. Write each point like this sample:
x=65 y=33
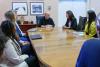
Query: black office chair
x=81 y=24
x=38 y=19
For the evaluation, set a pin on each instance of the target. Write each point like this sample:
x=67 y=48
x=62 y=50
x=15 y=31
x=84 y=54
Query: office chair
x=81 y=24
x=38 y=19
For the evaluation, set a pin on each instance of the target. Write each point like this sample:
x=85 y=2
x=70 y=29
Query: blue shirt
x=20 y=33
x=90 y=54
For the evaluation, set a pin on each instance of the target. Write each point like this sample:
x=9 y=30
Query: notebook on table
x=35 y=36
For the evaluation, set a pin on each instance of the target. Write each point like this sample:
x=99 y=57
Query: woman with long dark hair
x=14 y=54
x=71 y=20
x=8 y=55
x=3 y=40
x=90 y=27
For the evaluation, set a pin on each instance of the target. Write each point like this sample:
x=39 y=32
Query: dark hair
x=3 y=40
x=70 y=14
x=10 y=15
x=7 y=28
x=91 y=18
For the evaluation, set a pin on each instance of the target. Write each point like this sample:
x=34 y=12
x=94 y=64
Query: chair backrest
x=81 y=24
x=38 y=19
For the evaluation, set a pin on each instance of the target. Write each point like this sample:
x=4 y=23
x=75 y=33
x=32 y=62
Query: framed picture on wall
x=36 y=8
x=20 y=7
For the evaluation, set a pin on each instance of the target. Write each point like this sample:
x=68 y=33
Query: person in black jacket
x=46 y=20
x=71 y=21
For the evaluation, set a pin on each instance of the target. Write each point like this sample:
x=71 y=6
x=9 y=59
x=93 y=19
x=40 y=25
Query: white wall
x=4 y=6
x=78 y=8
x=95 y=4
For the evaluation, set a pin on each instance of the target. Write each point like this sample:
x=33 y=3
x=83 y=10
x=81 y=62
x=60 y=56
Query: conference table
x=58 y=47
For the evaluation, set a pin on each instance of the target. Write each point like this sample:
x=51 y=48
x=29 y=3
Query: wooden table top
x=58 y=48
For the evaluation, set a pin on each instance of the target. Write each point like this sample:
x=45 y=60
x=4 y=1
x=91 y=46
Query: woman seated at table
x=13 y=53
x=6 y=54
x=46 y=21
x=71 y=22
x=90 y=27
x=2 y=46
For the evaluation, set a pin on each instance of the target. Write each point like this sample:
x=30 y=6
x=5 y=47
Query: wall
x=77 y=7
x=95 y=4
x=7 y=5
x=4 y=6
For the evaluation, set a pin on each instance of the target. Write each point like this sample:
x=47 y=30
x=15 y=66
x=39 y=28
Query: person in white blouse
x=12 y=54
x=8 y=53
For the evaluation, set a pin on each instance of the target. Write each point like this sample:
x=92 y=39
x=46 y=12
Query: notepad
x=35 y=36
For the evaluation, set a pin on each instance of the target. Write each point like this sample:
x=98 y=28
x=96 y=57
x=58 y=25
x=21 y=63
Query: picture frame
x=36 y=8
x=20 y=7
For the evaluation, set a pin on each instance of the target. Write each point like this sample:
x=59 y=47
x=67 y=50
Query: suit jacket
x=44 y=21
x=90 y=54
x=73 y=24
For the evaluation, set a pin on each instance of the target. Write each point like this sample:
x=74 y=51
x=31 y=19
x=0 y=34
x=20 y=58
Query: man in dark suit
x=46 y=20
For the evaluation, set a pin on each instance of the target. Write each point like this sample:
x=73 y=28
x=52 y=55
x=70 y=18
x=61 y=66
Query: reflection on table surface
x=58 y=47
